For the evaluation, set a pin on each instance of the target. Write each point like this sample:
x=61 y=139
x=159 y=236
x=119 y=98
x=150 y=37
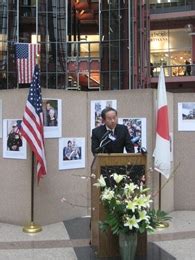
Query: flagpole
x=17 y=21
x=17 y=29
x=159 y=198
x=37 y=20
x=32 y=190
x=32 y=228
x=162 y=147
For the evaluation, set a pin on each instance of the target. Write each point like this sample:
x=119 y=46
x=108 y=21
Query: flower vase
x=127 y=245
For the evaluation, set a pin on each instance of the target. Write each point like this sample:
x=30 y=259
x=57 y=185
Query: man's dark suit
x=116 y=146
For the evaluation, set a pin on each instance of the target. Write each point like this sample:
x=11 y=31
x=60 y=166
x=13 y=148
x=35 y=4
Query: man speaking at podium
x=110 y=137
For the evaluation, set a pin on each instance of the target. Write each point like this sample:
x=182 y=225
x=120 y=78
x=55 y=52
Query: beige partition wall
x=65 y=194
x=184 y=147
x=15 y=186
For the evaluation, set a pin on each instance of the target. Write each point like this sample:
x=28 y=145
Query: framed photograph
x=1 y=122
x=14 y=145
x=137 y=131
x=96 y=108
x=52 y=117
x=71 y=153
x=186 y=116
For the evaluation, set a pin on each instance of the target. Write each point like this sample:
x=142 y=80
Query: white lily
x=101 y=182
x=131 y=222
x=117 y=177
x=107 y=194
x=131 y=205
x=143 y=201
x=129 y=189
x=143 y=216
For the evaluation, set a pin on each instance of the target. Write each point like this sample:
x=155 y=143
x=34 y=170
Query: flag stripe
x=30 y=113
x=29 y=129
x=26 y=60
x=32 y=124
x=35 y=148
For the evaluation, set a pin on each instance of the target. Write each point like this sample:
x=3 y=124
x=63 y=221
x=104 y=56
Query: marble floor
x=70 y=240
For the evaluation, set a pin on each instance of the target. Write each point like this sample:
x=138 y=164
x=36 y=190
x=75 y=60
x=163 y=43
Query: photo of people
x=14 y=140
x=96 y=108
x=137 y=131
x=186 y=116
x=52 y=117
x=71 y=153
x=14 y=145
x=51 y=114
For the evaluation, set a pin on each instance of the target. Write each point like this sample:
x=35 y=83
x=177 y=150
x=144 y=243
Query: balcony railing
x=173 y=6
x=174 y=70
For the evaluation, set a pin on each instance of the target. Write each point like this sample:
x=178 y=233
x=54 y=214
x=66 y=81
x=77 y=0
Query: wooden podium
x=105 y=243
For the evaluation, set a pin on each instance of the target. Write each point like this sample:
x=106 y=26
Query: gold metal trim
x=32 y=228
x=162 y=224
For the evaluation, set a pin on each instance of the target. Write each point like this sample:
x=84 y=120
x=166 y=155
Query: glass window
x=170 y=48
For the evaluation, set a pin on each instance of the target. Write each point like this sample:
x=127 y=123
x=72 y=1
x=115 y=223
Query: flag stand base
x=32 y=228
x=162 y=224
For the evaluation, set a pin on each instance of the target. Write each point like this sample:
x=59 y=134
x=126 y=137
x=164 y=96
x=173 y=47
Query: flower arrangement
x=127 y=205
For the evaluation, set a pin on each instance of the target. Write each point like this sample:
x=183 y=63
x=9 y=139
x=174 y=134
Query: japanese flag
x=162 y=156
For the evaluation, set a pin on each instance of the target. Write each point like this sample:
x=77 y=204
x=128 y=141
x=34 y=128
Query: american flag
x=26 y=59
x=32 y=124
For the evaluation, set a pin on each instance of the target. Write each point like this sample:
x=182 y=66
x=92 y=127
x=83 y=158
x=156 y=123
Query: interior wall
x=184 y=147
x=65 y=194
x=57 y=186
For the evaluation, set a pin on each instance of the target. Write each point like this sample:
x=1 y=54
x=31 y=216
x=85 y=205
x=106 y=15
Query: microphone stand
x=101 y=147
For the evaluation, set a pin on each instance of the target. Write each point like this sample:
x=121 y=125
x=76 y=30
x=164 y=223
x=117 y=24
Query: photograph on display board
x=96 y=108
x=14 y=145
x=186 y=116
x=1 y=122
x=137 y=131
x=52 y=117
x=71 y=153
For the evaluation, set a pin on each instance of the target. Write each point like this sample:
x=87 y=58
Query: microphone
x=143 y=150
x=106 y=139
x=105 y=134
x=111 y=137
x=135 y=139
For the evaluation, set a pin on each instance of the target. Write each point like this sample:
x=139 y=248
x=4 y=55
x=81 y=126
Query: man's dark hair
x=106 y=110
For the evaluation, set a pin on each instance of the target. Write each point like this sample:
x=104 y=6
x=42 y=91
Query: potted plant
x=127 y=207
